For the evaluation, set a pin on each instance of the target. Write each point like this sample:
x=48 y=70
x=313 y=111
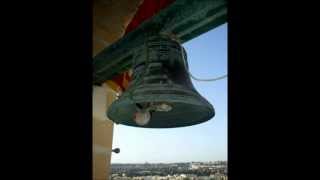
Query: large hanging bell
x=161 y=94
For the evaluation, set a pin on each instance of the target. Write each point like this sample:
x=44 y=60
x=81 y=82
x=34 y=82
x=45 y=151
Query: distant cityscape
x=171 y=171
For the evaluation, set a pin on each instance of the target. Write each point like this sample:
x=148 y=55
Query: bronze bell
x=161 y=94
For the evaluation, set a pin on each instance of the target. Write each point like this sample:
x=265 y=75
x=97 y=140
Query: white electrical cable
x=195 y=78
x=213 y=79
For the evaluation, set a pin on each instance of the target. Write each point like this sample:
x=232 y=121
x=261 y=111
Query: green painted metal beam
x=185 y=19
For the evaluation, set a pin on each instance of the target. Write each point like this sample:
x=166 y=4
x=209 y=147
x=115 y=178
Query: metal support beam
x=185 y=19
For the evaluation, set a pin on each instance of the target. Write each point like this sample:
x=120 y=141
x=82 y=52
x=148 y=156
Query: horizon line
x=167 y=162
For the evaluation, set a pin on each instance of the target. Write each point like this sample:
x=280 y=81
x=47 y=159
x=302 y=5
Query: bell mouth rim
x=161 y=98
x=206 y=107
x=159 y=128
x=204 y=120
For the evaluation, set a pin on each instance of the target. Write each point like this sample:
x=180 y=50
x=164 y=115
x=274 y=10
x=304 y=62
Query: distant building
x=218 y=177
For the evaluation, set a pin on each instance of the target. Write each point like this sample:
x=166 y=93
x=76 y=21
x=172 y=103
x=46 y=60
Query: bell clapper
x=142 y=117
x=143 y=114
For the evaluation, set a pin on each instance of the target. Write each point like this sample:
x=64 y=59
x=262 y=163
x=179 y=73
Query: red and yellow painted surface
x=121 y=82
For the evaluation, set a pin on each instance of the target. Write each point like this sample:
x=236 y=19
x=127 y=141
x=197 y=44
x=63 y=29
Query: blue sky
x=207 y=58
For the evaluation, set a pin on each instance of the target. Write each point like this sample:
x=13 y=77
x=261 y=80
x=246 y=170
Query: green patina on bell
x=161 y=94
